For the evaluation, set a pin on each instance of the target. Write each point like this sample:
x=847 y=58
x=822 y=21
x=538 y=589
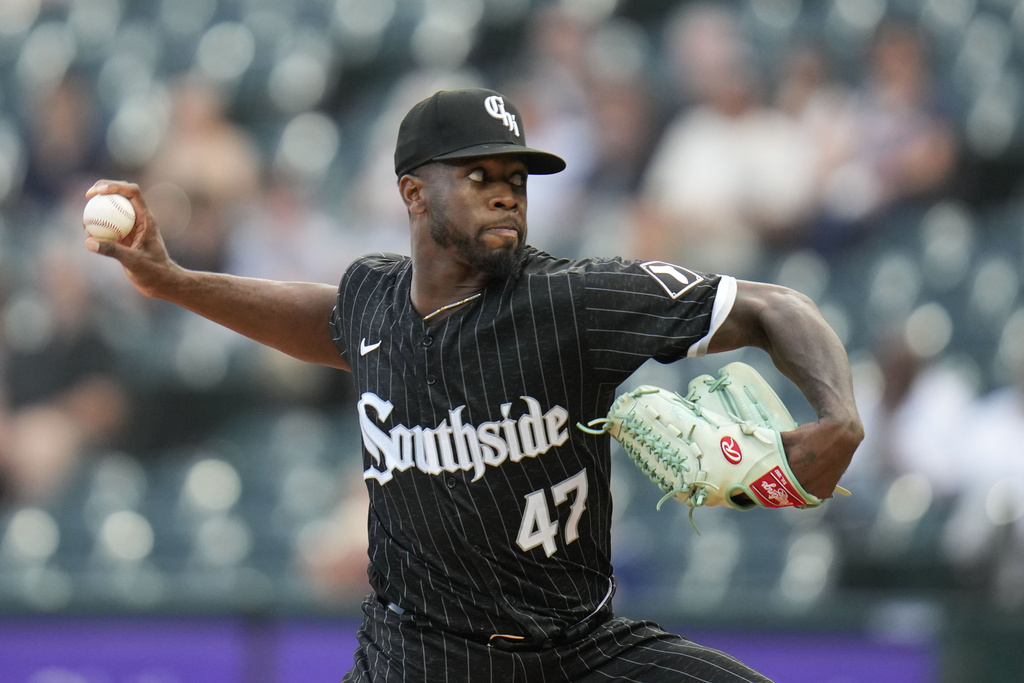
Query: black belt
x=515 y=643
x=580 y=629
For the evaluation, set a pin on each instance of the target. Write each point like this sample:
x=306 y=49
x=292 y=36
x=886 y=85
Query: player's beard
x=500 y=262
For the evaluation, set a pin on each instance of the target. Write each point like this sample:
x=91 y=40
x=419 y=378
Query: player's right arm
x=291 y=317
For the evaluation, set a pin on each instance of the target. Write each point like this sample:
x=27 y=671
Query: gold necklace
x=451 y=306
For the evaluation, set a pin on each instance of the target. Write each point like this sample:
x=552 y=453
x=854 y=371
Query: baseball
x=109 y=217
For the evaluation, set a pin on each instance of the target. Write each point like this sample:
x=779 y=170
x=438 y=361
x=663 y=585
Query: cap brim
x=537 y=162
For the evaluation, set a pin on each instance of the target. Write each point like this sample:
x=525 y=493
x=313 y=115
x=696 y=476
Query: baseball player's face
x=478 y=209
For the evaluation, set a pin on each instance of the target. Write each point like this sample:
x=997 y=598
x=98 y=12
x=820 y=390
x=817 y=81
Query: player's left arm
x=791 y=329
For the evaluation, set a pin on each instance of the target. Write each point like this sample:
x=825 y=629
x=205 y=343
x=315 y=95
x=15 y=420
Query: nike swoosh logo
x=365 y=348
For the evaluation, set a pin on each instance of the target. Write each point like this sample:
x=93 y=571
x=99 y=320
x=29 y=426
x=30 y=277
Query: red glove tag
x=774 y=490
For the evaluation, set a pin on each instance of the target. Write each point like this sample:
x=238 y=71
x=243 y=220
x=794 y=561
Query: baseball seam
x=104 y=224
x=121 y=209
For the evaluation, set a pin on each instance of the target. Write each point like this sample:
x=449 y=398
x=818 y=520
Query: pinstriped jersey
x=490 y=511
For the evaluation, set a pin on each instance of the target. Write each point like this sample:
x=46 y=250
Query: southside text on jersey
x=453 y=445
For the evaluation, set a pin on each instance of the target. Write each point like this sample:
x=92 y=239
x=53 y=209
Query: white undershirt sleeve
x=724 y=299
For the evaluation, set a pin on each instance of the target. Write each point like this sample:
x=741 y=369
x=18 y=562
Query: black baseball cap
x=462 y=124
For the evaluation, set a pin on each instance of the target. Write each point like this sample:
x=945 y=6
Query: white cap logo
x=495 y=106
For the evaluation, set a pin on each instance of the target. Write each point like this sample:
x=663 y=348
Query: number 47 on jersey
x=537 y=527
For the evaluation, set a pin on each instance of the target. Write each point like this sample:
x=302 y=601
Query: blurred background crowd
x=869 y=153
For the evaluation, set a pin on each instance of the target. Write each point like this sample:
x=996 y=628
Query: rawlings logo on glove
x=721 y=441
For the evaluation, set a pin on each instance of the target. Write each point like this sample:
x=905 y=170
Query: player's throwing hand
x=142 y=252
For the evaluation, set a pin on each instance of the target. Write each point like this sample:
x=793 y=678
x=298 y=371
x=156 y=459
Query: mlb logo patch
x=675 y=280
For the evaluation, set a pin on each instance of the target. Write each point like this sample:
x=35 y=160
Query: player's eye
x=476 y=175
x=518 y=180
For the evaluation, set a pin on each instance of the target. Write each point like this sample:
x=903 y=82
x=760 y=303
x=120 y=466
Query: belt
x=580 y=629
x=516 y=643
x=502 y=641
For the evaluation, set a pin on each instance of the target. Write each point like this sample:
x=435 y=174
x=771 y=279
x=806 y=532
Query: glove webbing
x=667 y=456
x=748 y=427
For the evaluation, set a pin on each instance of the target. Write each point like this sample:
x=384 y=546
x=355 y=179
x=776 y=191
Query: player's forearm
x=806 y=350
x=791 y=329
x=291 y=317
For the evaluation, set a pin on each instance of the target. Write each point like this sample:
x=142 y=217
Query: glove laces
x=669 y=466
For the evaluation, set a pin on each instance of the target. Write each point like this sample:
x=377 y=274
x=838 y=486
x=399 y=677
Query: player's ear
x=411 y=189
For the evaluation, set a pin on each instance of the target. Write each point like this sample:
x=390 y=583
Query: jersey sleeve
x=652 y=309
x=356 y=292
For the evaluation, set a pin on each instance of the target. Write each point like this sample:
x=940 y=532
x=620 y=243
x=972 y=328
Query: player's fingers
x=105 y=186
x=128 y=256
x=104 y=247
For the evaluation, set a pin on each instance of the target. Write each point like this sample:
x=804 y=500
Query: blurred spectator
x=621 y=127
x=63 y=393
x=214 y=162
x=331 y=551
x=998 y=421
x=626 y=115
x=285 y=235
x=66 y=148
x=552 y=95
x=984 y=537
x=914 y=411
x=731 y=174
x=904 y=144
x=823 y=108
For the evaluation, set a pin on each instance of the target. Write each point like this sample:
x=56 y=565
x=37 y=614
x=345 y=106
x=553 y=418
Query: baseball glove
x=720 y=441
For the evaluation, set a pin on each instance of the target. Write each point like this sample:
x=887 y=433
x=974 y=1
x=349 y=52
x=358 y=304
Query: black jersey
x=490 y=511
